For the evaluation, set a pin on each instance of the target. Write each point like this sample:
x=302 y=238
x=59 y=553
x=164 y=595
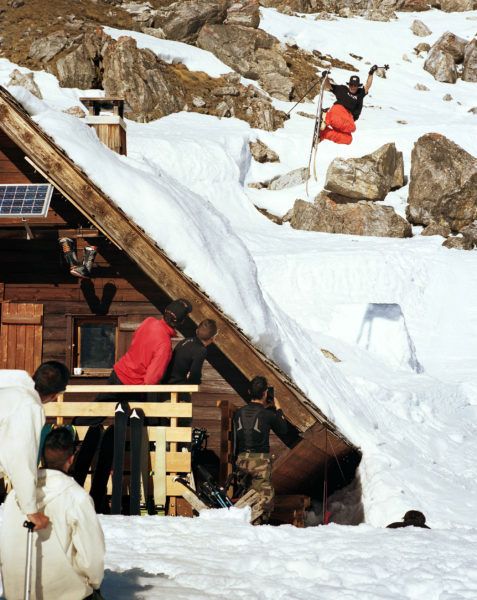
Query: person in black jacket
x=251 y=426
x=189 y=355
x=413 y=518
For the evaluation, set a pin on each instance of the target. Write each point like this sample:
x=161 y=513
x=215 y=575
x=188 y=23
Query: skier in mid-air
x=338 y=123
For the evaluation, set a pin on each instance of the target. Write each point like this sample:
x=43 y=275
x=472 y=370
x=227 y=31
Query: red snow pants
x=339 y=125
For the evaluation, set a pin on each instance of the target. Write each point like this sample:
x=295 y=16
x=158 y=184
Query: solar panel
x=18 y=200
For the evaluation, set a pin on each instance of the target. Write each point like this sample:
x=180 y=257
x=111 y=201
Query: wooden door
x=21 y=336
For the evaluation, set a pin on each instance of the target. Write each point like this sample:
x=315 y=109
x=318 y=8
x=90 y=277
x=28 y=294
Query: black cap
x=177 y=311
x=354 y=80
x=414 y=516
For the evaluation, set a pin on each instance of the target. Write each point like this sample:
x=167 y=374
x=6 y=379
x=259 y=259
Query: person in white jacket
x=21 y=420
x=68 y=555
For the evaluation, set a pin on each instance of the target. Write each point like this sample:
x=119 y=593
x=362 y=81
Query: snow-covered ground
x=400 y=314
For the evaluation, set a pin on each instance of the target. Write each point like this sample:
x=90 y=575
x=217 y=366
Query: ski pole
x=305 y=94
x=30 y=526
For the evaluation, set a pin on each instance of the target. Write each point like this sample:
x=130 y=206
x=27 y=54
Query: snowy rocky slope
x=400 y=314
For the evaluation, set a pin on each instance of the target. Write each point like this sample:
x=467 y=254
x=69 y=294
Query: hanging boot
x=68 y=247
x=88 y=259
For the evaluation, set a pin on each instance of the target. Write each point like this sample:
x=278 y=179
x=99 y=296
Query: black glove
x=373 y=69
x=325 y=73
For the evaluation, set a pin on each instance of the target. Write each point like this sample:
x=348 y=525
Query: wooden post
x=60 y=420
x=173 y=448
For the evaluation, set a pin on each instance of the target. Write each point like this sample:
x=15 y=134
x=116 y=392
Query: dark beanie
x=177 y=311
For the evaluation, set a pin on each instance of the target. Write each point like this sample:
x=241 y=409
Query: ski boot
x=68 y=247
x=323 y=124
x=88 y=259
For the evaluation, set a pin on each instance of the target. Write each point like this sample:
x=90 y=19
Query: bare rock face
x=470 y=233
x=370 y=177
x=443 y=183
x=251 y=52
x=420 y=29
x=441 y=66
x=399 y=179
x=244 y=12
x=183 y=20
x=82 y=67
x=143 y=80
x=470 y=61
x=262 y=153
x=457 y=5
x=26 y=80
x=44 y=49
x=354 y=218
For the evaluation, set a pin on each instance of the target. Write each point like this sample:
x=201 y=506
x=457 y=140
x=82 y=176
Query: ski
x=316 y=134
x=86 y=453
x=136 y=423
x=102 y=471
x=121 y=417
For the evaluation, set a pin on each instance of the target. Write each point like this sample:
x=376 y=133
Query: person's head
x=258 y=388
x=353 y=84
x=59 y=450
x=206 y=331
x=416 y=517
x=50 y=379
x=176 y=312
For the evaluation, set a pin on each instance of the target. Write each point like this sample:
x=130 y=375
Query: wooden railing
x=165 y=459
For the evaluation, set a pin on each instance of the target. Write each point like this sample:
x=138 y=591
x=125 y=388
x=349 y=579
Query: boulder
x=262 y=153
x=470 y=233
x=447 y=97
x=441 y=66
x=75 y=111
x=473 y=110
x=26 y=80
x=244 y=12
x=253 y=53
x=399 y=180
x=354 y=218
x=156 y=32
x=470 y=61
x=288 y=180
x=457 y=5
x=458 y=243
x=453 y=45
x=183 y=20
x=420 y=87
x=370 y=177
x=142 y=79
x=420 y=29
x=422 y=47
x=443 y=183
x=441 y=229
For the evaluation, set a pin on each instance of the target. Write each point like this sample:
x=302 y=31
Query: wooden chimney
x=106 y=116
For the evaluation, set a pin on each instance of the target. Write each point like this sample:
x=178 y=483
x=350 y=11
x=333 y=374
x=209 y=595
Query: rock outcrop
x=354 y=218
x=457 y=5
x=370 y=177
x=420 y=29
x=443 y=183
x=244 y=12
x=142 y=79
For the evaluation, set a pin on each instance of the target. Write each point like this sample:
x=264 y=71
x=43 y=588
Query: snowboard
x=316 y=134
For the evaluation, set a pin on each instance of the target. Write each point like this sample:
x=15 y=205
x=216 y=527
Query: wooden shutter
x=21 y=336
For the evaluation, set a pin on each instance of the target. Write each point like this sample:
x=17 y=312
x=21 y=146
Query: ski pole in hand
x=323 y=75
x=30 y=526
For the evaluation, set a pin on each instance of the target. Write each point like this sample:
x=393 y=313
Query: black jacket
x=186 y=362
x=252 y=424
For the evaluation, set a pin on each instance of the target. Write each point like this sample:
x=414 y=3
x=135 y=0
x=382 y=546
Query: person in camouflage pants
x=254 y=472
x=252 y=425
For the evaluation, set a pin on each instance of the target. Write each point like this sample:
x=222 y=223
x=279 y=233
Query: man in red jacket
x=150 y=352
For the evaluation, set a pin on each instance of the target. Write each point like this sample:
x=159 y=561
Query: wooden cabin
x=48 y=314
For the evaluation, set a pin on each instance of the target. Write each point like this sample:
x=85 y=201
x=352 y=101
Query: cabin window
x=95 y=345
